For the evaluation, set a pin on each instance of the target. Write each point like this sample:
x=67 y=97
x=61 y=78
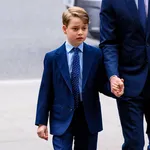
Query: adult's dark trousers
x=78 y=133
x=132 y=112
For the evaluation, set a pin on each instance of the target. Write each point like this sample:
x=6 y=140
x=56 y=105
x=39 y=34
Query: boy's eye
x=75 y=29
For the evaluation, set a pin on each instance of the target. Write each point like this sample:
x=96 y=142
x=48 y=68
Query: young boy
x=73 y=75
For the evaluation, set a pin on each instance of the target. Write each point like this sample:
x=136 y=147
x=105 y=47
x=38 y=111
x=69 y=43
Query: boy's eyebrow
x=79 y=25
x=75 y=25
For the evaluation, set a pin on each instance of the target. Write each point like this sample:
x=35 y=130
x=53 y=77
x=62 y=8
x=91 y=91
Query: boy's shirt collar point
x=69 y=47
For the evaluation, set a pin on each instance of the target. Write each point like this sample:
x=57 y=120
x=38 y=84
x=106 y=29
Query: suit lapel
x=63 y=65
x=132 y=7
x=148 y=21
x=61 y=58
x=133 y=10
x=87 y=63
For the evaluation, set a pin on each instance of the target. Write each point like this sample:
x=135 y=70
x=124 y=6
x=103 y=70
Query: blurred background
x=29 y=29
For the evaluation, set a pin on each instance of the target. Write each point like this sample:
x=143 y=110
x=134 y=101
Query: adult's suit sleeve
x=108 y=38
x=45 y=97
x=104 y=84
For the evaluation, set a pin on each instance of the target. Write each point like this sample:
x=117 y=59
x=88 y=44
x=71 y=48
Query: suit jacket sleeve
x=104 y=84
x=45 y=97
x=108 y=38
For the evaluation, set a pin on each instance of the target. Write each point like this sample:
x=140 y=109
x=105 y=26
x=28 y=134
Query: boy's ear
x=64 y=28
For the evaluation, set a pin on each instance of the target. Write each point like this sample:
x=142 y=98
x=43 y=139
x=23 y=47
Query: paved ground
x=17 y=116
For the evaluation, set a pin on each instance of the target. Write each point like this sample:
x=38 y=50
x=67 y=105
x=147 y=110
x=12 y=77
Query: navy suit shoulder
x=94 y=48
x=52 y=54
x=49 y=57
x=97 y=52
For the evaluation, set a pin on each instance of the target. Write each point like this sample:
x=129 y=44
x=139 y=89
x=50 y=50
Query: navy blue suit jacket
x=125 y=45
x=55 y=99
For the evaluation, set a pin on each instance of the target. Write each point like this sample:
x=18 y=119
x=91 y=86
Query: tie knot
x=76 y=50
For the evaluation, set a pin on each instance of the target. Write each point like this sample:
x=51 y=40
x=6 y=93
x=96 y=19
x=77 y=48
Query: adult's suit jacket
x=124 y=42
x=55 y=95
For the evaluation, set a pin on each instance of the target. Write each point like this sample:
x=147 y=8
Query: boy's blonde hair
x=74 y=12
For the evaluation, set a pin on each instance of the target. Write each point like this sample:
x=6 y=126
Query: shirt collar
x=69 y=47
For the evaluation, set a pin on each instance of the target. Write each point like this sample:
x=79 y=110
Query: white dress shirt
x=146 y=5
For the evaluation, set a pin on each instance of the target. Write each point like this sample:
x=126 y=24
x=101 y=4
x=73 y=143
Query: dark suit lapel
x=131 y=5
x=63 y=65
x=88 y=58
x=133 y=11
x=148 y=21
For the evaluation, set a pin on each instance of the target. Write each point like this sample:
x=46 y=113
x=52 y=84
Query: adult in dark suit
x=125 y=42
x=72 y=116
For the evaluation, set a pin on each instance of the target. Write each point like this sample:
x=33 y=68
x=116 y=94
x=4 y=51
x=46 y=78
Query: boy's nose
x=80 y=31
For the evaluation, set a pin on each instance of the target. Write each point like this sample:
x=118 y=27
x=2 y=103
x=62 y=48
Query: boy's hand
x=42 y=132
x=117 y=86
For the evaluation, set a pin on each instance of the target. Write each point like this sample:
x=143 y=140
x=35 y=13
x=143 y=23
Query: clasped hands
x=117 y=86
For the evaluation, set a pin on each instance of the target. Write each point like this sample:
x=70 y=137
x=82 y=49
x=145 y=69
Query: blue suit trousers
x=78 y=133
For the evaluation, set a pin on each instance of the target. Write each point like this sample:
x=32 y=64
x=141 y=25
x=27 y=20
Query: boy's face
x=76 y=31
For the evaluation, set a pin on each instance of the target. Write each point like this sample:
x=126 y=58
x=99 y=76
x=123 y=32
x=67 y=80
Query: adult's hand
x=117 y=86
x=42 y=132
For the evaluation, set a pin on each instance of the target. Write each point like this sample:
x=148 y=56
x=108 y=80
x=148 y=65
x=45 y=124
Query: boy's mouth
x=80 y=38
